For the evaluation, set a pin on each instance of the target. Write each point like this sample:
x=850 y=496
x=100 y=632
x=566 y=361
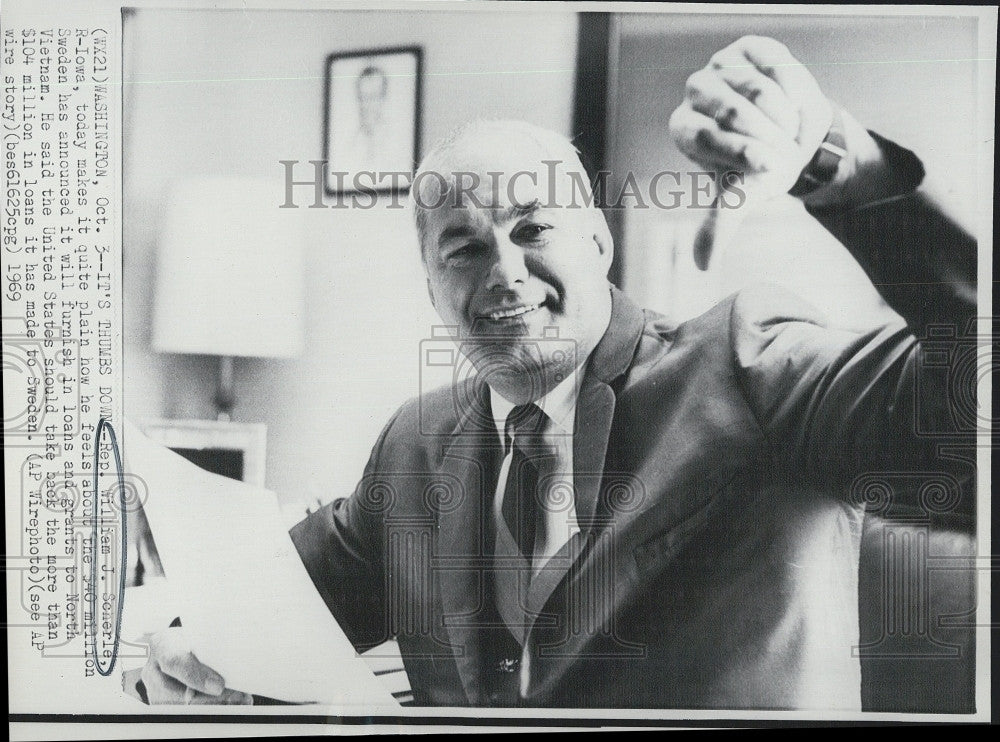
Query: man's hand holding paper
x=252 y=620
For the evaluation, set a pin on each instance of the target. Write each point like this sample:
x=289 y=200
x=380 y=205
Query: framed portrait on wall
x=372 y=118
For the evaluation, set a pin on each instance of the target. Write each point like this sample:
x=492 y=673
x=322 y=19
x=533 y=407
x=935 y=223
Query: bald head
x=501 y=164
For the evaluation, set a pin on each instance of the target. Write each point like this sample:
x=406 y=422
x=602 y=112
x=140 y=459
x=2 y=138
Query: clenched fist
x=755 y=109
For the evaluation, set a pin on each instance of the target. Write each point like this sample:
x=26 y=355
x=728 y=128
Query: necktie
x=516 y=518
x=520 y=507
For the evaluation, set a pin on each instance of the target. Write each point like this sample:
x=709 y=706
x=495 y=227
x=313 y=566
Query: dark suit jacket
x=722 y=467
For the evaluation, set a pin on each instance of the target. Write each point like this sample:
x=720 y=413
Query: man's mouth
x=508 y=313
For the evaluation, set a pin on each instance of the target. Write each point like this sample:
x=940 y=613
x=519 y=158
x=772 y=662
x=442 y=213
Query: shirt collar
x=559 y=404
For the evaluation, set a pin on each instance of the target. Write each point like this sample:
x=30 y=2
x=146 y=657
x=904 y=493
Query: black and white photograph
x=494 y=365
x=373 y=114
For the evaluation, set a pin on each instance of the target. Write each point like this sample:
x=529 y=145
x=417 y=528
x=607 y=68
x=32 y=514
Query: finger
x=130 y=684
x=704 y=240
x=228 y=697
x=692 y=143
x=715 y=234
x=161 y=688
x=173 y=658
x=711 y=95
x=774 y=60
x=700 y=138
x=763 y=92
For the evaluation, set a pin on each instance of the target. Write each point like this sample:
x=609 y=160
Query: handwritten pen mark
x=103 y=423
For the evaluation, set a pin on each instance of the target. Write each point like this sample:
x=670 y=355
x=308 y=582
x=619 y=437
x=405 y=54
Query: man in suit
x=617 y=512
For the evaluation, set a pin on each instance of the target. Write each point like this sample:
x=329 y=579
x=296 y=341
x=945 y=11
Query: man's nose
x=508 y=268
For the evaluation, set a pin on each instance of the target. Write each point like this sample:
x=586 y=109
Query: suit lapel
x=464 y=535
x=595 y=409
x=595 y=406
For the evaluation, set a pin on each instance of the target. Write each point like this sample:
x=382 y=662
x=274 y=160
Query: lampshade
x=229 y=280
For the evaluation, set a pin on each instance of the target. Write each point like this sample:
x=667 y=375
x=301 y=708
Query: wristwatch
x=823 y=166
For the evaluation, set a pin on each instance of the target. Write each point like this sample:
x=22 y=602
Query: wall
x=232 y=93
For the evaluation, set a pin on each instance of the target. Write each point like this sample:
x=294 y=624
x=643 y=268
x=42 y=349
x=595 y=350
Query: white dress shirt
x=560 y=523
x=559 y=405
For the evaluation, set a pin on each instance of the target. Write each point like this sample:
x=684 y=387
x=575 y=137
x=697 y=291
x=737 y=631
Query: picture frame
x=371 y=119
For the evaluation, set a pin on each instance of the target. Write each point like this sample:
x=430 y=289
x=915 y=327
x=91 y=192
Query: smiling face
x=519 y=269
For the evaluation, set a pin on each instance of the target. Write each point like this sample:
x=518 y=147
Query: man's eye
x=465 y=252
x=532 y=231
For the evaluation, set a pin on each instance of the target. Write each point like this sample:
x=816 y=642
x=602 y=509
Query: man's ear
x=602 y=238
x=430 y=292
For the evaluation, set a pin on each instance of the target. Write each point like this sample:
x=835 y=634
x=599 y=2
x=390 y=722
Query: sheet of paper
x=244 y=596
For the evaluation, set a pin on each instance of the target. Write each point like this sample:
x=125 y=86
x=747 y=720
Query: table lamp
x=229 y=279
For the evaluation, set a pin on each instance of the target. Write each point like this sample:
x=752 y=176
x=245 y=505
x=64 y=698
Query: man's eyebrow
x=517 y=211
x=500 y=216
x=455 y=232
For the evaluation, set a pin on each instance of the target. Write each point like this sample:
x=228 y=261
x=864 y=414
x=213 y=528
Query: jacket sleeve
x=920 y=259
x=893 y=407
x=341 y=545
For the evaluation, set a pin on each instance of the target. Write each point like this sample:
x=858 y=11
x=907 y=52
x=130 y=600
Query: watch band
x=822 y=168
